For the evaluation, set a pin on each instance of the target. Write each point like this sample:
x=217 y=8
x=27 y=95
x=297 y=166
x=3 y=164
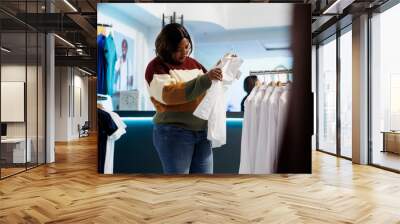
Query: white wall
x=80 y=83
x=70 y=82
x=314 y=90
x=62 y=83
x=268 y=15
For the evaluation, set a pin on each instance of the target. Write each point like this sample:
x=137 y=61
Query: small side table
x=391 y=141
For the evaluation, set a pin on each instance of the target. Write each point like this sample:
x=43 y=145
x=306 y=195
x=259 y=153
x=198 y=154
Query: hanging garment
x=249 y=144
x=272 y=144
x=244 y=153
x=282 y=119
x=110 y=54
x=255 y=107
x=260 y=164
x=106 y=102
x=101 y=65
x=213 y=105
x=109 y=158
x=106 y=128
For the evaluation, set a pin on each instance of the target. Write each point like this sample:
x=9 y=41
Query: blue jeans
x=183 y=151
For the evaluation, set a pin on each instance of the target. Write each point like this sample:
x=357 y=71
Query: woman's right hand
x=215 y=74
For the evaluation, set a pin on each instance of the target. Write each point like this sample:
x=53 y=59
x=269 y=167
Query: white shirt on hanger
x=272 y=145
x=251 y=142
x=109 y=158
x=213 y=105
x=282 y=119
x=261 y=158
x=244 y=154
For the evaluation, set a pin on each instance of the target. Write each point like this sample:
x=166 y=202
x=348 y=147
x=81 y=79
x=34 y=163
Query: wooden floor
x=387 y=159
x=10 y=171
x=71 y=191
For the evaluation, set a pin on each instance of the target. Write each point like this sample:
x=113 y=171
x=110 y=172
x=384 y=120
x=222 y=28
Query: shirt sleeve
x=171 y=90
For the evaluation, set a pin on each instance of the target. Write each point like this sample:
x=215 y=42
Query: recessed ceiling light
x=84 y=71
x=70 y=5
x=337 y=7
x=64 y=40
x=5 y=50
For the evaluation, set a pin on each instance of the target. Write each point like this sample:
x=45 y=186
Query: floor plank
x=71 y=191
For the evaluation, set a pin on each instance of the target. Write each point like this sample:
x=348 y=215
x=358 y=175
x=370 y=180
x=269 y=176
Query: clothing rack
x=172 y=19
x=105 y=25
x=271 y=72
x=288 y=72
x=101 y=98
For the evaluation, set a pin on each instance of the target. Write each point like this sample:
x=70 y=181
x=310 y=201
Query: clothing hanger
x=100 y=106
x=100 y=30
x=279 y=83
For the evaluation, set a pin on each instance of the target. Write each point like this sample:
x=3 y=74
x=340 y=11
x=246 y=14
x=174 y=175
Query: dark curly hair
x=168 y=40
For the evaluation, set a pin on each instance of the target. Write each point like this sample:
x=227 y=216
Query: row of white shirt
x=265 y=112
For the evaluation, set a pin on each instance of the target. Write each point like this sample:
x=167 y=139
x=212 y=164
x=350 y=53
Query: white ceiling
x=225 y=15
x=248 y=27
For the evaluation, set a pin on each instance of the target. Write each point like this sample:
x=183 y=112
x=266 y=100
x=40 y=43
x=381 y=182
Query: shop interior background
x=258 y=33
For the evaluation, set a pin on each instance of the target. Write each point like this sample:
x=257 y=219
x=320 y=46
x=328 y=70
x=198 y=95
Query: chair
x=84 y=130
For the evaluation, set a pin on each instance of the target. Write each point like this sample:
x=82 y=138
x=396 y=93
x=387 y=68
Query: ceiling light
x=70 y=5
x=64 y=40
x=84 y=71
x=5 y=50
x=338 y=6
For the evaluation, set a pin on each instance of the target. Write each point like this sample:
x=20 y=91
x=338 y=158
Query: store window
x=385 y=89
x=346 y=94
x=22 y=88
x=327 y=96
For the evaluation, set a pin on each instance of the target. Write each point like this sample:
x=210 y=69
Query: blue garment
x=101 y=65
x=182 y=151
x=111 y=57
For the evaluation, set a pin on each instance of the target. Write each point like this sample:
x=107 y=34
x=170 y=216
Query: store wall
x=71 y=102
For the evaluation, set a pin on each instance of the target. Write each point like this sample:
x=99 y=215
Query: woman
x=248 y=85
x=177 y=84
